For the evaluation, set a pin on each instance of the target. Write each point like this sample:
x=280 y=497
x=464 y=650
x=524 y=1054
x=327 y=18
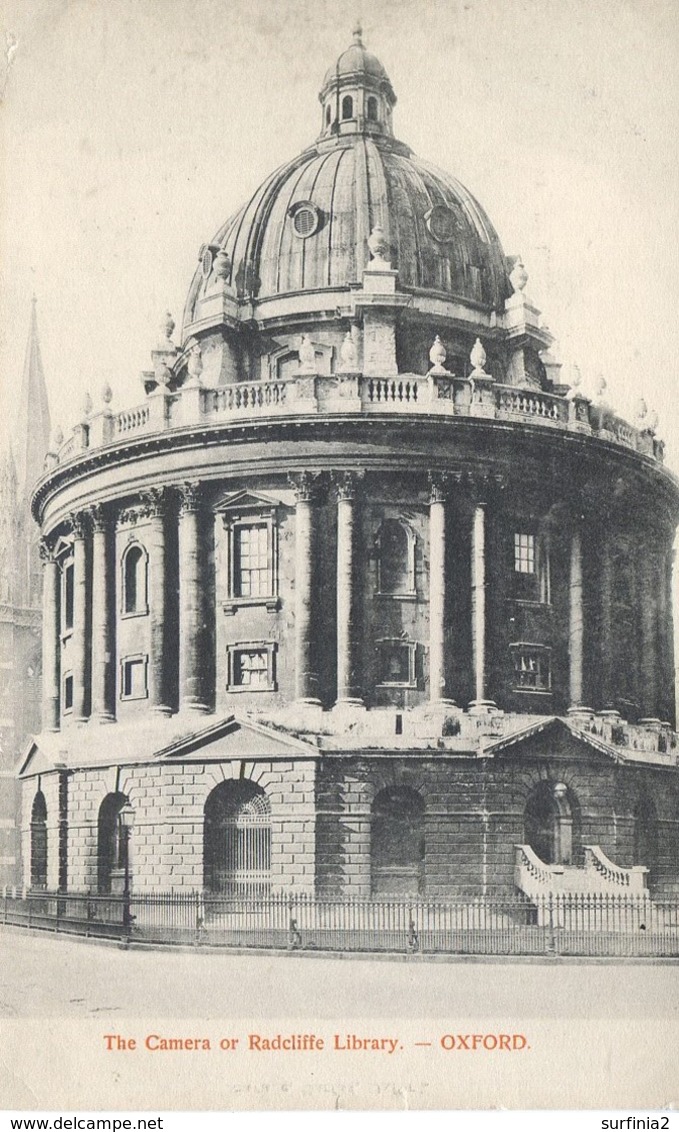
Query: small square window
x=532 y=669
x=133 y=678
x=397 y=664
x=251 y=667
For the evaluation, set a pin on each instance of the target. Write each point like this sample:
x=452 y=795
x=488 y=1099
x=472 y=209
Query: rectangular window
x=68 y=590
x=524 y=553
x=133 y=678
x=251 y=667
x=532 y=669
x=251 y=565
x=68 y=693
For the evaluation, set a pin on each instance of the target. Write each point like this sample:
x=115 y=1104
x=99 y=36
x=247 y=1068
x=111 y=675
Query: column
x=348 y=684
x=157 y=591
x=479 y=703
x=79 y=638
x=437 y=589
x=102 y=619
x=575 y=622
x=607 y=644
x=190 y=601
x=51 y=643
x=306 y=675
x=648 y=595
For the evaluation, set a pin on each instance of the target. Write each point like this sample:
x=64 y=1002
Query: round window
x=206 y=261
x=305 y=219
x=441 y=223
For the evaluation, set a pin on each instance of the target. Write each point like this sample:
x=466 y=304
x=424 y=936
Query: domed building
x=363 y=598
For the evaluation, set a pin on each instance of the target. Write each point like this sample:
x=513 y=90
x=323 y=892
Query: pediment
x=34 y=761
x=233 y=738
x=247 y=501
x=553 y=735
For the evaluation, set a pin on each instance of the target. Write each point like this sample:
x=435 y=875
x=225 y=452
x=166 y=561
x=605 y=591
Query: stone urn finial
x=518 y=276
x=167 y=325
x=478 y=358
x=87 y=406
x=58 y=436
x=106 y=393
x=195 y=364
x=653 y=421
x=357 y=33
x=222 y=264
x=600 y=386
x=307 y=354
x=378 y=247
x=348 y=356
x=437 y=356
x=641 y=410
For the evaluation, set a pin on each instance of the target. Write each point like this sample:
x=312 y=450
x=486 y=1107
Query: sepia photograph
x=339 y=444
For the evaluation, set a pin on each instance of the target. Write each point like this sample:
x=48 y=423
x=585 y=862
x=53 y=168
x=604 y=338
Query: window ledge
x=410 y=595
x=412 y=686
x=238 y=688
x=532 y=602
x=532 y=691
x=272 y=604
x=125 y=614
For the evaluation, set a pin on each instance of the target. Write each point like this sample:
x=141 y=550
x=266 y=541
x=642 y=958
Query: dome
x=306 y=227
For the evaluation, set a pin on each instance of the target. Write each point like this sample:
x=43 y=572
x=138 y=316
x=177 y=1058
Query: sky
x=131 y=129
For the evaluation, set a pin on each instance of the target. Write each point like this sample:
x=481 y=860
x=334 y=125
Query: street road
x=44 y=977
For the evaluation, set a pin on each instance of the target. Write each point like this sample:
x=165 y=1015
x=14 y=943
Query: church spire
x=32 y=425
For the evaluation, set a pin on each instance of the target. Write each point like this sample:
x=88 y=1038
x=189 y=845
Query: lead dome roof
x=355 y=177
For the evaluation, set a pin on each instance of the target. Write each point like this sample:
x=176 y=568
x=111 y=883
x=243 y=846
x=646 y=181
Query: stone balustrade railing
x=477 y=396
x=532 y=875
x=630 y=880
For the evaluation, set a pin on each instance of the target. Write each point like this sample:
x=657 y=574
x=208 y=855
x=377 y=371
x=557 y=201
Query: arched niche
x=112 y=845
x=39 y=841
x=397 y=842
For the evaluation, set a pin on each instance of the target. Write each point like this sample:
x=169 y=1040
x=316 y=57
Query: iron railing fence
x=551 y=924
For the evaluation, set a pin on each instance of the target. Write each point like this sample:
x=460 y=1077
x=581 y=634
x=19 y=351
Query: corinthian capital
x=347 y=484
x=305 y=485
x=189 y=497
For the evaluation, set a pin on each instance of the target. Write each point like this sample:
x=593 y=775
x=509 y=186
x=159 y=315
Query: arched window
x=39 y=842
x=328 y=114
x=396 y=559
x=135 y=579
x=112 y=844
x=552 y=825
x=347 y=108
x=397 y=842
x=67 y=595
x=237 y=840
x=372 y=109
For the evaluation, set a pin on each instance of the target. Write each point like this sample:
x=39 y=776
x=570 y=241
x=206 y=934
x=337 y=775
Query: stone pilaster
x=51 y=624
x=306 y=672
x=348 y=681
x=103 y=619
x=439 y=487
x=576 y=627
x=156 y=501
x=648 y=596
x=480 y=702
x=190 y=601
x=606 y=645
x=79 y=639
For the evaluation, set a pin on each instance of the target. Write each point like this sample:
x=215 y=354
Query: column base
x=161 y=709
x=198 y=708
x=481 y=707
x=104 y=717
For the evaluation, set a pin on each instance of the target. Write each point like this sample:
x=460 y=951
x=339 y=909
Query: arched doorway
x=39 y=841
x=551 y=824
x=397 y=843
x=112 y=845
x=237 y=840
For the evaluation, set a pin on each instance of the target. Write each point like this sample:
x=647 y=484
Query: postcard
x=338 y=749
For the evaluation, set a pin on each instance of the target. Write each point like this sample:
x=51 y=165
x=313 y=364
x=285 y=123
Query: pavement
x=42 y=976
